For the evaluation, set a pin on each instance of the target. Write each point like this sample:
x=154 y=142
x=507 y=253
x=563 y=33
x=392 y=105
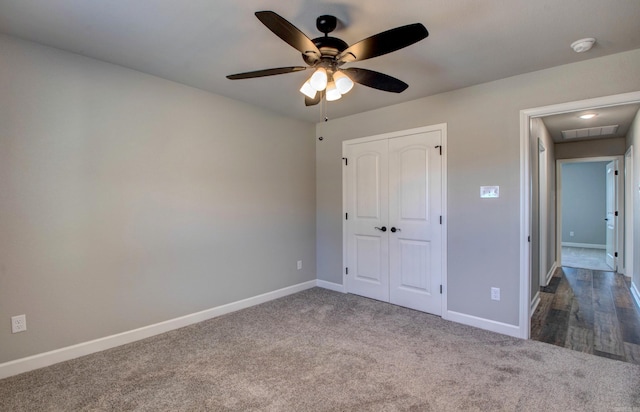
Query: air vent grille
x=590 y=132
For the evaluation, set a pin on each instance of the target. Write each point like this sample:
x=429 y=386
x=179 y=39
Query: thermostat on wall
x=488 y=192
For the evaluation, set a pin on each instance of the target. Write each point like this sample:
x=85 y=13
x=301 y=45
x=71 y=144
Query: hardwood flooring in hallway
x=589 y=311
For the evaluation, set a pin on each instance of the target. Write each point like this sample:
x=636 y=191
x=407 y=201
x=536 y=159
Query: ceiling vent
x=590 y=132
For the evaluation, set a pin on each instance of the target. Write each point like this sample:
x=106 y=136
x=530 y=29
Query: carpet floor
x=325 y=351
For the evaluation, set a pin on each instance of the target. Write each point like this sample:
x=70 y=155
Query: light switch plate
x=489 y=192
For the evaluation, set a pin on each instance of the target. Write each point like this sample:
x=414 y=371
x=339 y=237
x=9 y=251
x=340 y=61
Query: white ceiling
x=199 y=42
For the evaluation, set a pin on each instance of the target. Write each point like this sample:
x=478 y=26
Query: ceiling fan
x=328 y=54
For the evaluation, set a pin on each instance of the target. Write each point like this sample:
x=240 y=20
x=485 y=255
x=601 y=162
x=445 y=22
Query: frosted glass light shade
x=318 y=79
x=332 y=92
x=343 y=82
x=308 y=90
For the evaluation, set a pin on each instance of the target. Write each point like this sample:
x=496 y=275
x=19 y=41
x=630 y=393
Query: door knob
x=382 y=229
x=395 y=229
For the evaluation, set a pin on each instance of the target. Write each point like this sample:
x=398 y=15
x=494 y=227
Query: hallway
x=589 y=311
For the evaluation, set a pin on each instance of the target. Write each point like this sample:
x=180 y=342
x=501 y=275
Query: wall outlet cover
x=18 y=323
x=489 y=192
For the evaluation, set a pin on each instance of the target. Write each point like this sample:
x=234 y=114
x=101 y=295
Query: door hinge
x=346 y=216
x=439 y=147
x=529 y=239
x=440 y=219
x=346 y=271
x=441 y=289
x=616 y=173
x=346 y=161
x=616 y=214
x=615 y=254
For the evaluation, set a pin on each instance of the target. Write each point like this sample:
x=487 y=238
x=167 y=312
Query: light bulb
x=318 y=79
x=343 y=82
x=308 y=90
x=332 y=92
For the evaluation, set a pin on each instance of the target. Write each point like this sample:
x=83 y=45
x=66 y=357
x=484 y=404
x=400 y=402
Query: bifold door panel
x=395 y=184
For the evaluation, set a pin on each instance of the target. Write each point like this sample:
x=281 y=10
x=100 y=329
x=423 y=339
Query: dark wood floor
x=589 y=311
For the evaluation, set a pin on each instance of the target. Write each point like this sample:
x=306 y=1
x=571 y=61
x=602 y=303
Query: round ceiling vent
x=583 y=45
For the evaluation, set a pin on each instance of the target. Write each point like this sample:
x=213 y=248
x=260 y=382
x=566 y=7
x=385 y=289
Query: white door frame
x=442 y=127
x=628 y=213
x=543 y=210
x=618 y=201
x=525 y=187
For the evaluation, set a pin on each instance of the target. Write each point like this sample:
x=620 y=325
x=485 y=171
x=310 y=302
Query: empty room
x=319 y=206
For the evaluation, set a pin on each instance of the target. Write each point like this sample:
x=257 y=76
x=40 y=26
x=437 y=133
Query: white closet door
x=415 y=233
x=368 y=246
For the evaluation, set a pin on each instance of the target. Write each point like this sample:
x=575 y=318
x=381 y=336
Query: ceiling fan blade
x=289 y=33
x=383 y=43
x=376 y=80
x=312 y=102
x=266 y=72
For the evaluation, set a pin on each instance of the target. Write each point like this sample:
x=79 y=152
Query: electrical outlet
x=18 y=323
x=571 y=234
x=299 y=264
x=495 y=293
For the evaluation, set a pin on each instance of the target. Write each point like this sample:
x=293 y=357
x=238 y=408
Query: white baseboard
x=584 y=245
x=487 y=324
x=85 y=348
x=336 y=287
x=534 y=303
x=635 y=292
x=549 y=275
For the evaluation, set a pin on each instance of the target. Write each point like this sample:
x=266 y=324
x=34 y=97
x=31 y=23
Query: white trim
x=525 y=187
x=584 y=245
x=629 y=213
x=336 y=287
x=85 y=348
x=549 y=275
x=635 y=293
x=535 y=302
x=445 y=224
x=487 y=324
x=524 y=316
x=442 y=127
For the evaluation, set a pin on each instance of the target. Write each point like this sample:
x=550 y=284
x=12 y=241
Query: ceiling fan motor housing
x=329 y=46
x=326 y=24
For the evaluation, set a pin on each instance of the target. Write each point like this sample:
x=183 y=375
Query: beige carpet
x=324 y=351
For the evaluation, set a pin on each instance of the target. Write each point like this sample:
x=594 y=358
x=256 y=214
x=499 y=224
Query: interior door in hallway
x=394 y=201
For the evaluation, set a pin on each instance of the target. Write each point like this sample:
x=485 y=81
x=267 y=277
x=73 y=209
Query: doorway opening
x=590 y=205
x=585 y=290
x=530 y=280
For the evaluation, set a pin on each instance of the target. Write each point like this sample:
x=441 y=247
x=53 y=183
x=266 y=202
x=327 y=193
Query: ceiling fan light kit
x=318 y=80
x=308 y=90
x=332 y=93
x=328 y=54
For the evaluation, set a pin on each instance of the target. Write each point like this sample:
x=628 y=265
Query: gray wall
x=483 y=149
x=127 y=200
x=584 y=202
x=633 y=138
x=591 y=148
